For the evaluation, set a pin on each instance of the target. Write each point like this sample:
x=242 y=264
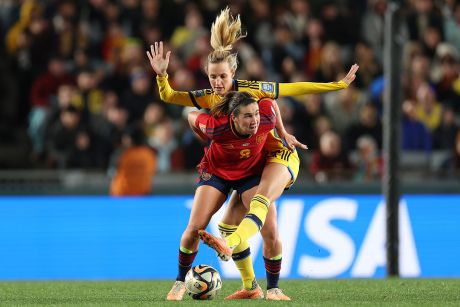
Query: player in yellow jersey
x=282 y=165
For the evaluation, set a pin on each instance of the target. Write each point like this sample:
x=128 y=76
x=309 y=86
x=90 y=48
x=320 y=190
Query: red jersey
x=230 y=156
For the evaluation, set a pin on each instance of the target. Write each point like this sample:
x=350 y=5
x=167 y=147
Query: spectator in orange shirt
x=136 y=166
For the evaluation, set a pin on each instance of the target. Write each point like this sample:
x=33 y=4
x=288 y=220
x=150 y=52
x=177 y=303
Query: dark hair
x=232 y=103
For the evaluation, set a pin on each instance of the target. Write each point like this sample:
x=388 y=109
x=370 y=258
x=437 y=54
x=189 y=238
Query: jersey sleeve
x=302 y=88
x=196 y=99
x=204 y=122
x=259 y=89
x=267 y=113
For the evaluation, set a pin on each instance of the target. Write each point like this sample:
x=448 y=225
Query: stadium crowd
x=75 y=78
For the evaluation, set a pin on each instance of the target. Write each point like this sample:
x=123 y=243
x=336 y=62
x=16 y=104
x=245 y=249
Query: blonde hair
x=225 y=31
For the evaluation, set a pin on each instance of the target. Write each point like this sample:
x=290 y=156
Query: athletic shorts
x=279 y=153
x=225 y=186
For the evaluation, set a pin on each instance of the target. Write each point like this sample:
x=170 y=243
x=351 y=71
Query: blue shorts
x=225 y=186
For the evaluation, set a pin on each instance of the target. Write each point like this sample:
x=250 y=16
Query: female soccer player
x=234 y=159
x=221 y=68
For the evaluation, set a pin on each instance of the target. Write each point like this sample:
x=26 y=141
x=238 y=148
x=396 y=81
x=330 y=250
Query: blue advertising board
x=100 y=238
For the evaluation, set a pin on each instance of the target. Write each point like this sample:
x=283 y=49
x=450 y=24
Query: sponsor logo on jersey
x=203 y=128
x=259 y=139
x=267 y=87
x=246 y=144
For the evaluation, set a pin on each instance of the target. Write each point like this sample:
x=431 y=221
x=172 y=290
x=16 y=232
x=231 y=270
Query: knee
x=191 y=231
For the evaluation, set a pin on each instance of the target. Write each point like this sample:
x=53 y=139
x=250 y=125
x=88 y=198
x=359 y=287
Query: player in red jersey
x=232 y=155
x=234 y=160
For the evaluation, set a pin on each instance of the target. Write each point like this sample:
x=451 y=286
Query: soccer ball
x=203 y=282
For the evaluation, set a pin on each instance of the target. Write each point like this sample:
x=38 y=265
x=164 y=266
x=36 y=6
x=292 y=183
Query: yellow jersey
x=206 y=98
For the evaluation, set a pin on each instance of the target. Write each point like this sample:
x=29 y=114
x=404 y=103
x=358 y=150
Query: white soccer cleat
x=177 y=291
x=276 y=294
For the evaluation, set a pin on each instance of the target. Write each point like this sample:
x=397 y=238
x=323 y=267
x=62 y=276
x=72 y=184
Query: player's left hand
x=292 y=142
x=351 y=75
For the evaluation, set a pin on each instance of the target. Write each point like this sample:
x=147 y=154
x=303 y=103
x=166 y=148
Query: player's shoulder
x=267 y=87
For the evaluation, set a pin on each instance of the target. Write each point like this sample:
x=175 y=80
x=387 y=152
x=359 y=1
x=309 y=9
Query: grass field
x=406 y=292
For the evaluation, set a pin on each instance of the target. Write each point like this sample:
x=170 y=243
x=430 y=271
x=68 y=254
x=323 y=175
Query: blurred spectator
x=134 y=166
x=185 y=37
x=89 y=98
x=330 y=162
x=452 y=163
x=337 y=26
x=368 y=162
x=163 y=141
x=139 y=94
x=373 y=26
x=369 y=124
x=369 y=68
x=322 y=124
x=43 y=89
x=451 y=11
x=415 y=136
x=446 y=75
x=306 y=113
x=444 y=135
x=343 y=107
x=427 y=109
x=331 y=64
x=313 y=43
x=62 y=137
x=424 y=19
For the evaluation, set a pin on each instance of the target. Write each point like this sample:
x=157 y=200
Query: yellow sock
x=241 y=256
x=253 y=221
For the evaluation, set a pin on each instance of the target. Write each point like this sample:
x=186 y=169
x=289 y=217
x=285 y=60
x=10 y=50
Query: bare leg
x=206 y=202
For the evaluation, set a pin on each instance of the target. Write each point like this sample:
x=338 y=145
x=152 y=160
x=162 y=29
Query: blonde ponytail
x=225 y=32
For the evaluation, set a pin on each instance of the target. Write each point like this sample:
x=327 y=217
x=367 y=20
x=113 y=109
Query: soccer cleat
x=224 y=252
x=177 y=291
x=244 y=294
x=275 y=294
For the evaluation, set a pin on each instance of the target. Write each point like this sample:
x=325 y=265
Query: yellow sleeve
x=259 y=89
x=200 y=98
x=302 y=88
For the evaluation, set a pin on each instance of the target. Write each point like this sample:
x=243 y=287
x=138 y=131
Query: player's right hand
x=158 y=62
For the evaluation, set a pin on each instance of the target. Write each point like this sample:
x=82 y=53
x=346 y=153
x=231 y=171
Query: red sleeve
x=267 y=113
x=202 y=122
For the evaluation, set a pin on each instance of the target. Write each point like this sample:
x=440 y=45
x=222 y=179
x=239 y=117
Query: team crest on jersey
x=267 y=87
x=259 y=139
x=199 y=93
x=205 y=176
x=203 y=128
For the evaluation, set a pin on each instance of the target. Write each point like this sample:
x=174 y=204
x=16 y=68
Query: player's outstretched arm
x=303 y=88
x=158 y=60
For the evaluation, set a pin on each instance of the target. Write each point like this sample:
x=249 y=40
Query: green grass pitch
x=352 y=292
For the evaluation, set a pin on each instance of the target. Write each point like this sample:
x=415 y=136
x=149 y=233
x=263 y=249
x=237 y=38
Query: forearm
x=302 y=88
x=279 y=121
x=167 y=94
